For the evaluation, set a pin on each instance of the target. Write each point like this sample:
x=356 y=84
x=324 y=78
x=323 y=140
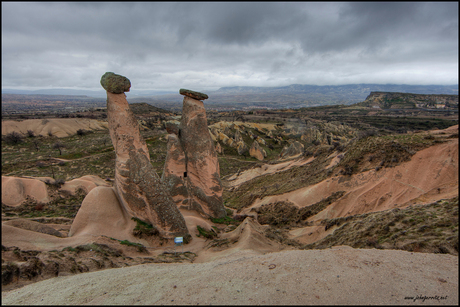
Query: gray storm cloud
x=212 y=44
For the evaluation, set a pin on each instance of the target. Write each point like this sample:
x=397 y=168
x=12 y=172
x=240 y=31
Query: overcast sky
x=204 y=46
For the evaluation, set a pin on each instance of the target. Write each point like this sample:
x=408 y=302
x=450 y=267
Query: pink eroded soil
x=431 y=174
x=251 y=267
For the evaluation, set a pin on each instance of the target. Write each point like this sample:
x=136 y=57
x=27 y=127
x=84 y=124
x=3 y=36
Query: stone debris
x=137 y=184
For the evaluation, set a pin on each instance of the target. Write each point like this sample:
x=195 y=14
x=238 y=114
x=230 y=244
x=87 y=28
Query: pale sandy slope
x=341 y=275
x=60 y=127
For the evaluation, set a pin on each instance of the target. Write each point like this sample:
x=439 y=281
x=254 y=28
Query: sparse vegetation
x=143 y=229
x=30 y=133
x=81 y=132
x=429 y=228
x=59 y=146
x=205 y=233
x=140 y=248
x=225 y=220
x=13 y=138
x=360 y=141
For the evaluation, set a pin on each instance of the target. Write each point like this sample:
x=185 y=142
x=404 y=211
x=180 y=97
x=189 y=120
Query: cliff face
x=393 y=100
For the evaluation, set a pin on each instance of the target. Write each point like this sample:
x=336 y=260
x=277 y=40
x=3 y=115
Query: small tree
x=13 y=138
x=36 y=144
x=59 y=146
x=81 y=132
x=30 y=133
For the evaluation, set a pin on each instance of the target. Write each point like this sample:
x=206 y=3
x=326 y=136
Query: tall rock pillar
x=138 y=186
x=202 y=173
x=175 y=166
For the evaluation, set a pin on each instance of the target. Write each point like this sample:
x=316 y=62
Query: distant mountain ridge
x=291 y=96
x=356 y=88
x=296 y=95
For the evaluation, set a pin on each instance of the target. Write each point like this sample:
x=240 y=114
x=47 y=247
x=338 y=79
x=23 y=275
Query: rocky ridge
x=394 y=100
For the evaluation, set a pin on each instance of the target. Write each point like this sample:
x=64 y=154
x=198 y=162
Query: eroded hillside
x=297 y=184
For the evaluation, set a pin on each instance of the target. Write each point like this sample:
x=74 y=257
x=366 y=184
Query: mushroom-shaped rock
x=114 y=83
x=137 y=184
x=193 y=94
x=203 y=174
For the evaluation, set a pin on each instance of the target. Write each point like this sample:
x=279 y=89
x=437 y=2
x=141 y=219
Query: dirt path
x=341 y=275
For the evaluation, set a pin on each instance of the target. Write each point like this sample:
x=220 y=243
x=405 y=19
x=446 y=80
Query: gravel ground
x=341 y=275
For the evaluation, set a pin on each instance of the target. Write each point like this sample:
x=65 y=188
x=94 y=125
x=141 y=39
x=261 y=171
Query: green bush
x=143 y=228
x=13 y=138
x=225 y=220
x=207 y=234
x=141 y=248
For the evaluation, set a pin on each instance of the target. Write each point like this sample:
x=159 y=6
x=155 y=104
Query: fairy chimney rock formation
x=174 y=172
x=296 y=148
x=138 y=186
x=257 y=152
x=202 y=175
x=241 y=147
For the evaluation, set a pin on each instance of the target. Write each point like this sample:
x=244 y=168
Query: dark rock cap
x=115 y=83
x=192 y=94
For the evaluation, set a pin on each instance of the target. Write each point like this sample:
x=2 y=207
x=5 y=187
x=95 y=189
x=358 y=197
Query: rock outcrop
x=238 y=137
x=200 y=167
x=137 y=185
x=16 y=190
x=394 y=100
x=241 y=147
x=257 y=152
x=33 y=226
x=219 y=149
x=296 y=148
